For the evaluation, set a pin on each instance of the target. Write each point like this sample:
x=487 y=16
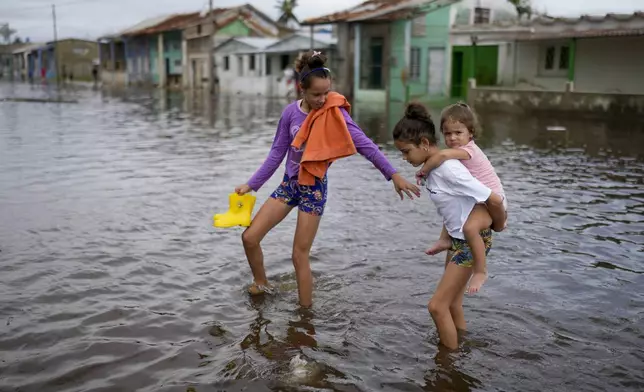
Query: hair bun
x=417 y=111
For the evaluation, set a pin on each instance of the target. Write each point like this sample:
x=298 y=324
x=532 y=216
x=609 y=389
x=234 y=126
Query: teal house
x=396 y=51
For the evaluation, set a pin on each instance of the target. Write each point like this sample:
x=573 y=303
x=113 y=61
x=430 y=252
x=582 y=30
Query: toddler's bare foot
x=477 y=282
x=441 y=245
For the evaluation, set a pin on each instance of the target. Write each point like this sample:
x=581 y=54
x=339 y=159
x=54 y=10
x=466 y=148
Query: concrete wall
x=239 y=78
x=602 y=65
x=111 y=78
x=610 y=65
x=586 y=104
x=528 y=73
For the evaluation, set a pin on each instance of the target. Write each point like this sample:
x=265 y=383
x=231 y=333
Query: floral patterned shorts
x=461 y=254
x=310 y=199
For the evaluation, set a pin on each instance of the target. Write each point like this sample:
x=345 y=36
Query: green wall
x=172 y=51
x=463 y=59
x=236 y=29
x=436 y=36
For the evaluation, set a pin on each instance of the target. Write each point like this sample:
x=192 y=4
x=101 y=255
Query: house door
x=436 y=71
x=457 y=74
x=375 y=75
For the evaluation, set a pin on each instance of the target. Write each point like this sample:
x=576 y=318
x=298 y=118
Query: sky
x=90 y=19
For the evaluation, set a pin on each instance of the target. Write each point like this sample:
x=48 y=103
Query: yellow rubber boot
x=239 y=212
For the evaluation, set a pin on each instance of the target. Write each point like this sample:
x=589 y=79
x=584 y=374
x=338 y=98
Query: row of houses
x=238 y=50
x=380 y=51
x=435 y=49
x=66 y=59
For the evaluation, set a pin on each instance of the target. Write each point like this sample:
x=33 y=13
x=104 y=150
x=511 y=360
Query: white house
x=590 y=54
x=255 y=66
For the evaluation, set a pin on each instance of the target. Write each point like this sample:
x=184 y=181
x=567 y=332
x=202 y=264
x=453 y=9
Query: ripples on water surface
x=113 y=279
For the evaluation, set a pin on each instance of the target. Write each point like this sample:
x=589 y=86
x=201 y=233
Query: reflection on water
x=114 y=279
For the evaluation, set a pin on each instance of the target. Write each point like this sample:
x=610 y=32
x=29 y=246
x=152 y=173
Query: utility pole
x=211 y=51
x=53 y=13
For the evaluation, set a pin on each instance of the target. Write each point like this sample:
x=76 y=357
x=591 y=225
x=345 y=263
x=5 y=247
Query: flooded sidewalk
x=112 y=277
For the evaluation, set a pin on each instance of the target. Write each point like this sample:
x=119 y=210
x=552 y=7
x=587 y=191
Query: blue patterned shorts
x=310 y=199
x=461 y=254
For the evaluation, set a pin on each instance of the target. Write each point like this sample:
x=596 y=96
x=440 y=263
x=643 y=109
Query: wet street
x=112 y=277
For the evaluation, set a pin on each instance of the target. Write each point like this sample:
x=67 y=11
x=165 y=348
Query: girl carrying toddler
x=459 y=126
x=460 y=199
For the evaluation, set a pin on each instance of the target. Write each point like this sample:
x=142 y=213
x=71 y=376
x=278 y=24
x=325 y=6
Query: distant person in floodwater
x=457 y=196
x=304 y=184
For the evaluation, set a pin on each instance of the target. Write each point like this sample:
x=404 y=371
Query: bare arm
x=438 y=159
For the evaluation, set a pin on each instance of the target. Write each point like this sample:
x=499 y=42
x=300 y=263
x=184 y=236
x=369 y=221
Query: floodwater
x=112 y=277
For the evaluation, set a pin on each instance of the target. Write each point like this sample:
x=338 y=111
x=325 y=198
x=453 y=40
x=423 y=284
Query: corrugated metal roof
x=29 y=47
x=257 y=42
x=552 y=28
x=549 y=20
x=300 y=42
x=173 y=22
x=378 y=10
x=584 y=34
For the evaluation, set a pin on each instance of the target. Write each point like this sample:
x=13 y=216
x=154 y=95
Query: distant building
x=568 y=63
x=71 y=58
x=401 y=50
x=255 y=66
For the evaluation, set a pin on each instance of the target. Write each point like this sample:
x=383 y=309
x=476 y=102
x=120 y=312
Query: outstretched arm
x=367 y=148
x=275 y=157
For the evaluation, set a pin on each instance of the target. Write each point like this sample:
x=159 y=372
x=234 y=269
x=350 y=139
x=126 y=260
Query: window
x=177 y=63
x=251 y=65
x=226 y=63
x=285 y=61
x=268 y=65
x=564 y=57
x=414 y=64
x=481 y=15
x=550 y=57
x=555 y=60
x=199 y=29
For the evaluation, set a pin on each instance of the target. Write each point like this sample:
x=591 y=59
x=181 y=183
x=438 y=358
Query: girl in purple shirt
x=310 y=200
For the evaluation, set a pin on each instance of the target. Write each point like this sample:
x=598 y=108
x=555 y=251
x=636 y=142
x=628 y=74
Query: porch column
x=100 y=54
x=515 y=71
x=184 y=62
x=160 y=61
x=571 y=64
x=312 y=41
x=407 y=57
x=39 y=62
x=356 y=60
x=126 y=68
x=473 y=61
x=113 y=58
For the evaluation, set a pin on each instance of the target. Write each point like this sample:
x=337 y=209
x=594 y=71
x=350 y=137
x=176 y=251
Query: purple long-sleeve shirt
x=288 y=126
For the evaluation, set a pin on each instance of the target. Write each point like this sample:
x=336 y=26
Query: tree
x=6 y=32
x=17 y=41
x=523 y=7
x=287 y=12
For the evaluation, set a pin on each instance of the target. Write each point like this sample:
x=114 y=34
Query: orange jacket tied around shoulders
x=326 y=138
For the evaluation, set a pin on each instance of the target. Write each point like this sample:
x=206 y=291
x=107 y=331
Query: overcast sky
x=92 y=18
